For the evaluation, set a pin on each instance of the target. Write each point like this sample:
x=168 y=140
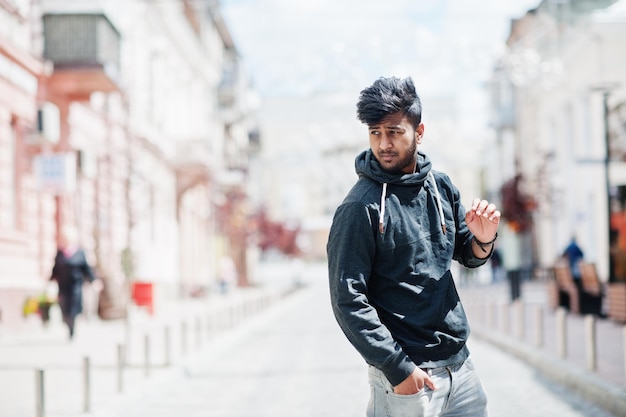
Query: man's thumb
x=430 y=384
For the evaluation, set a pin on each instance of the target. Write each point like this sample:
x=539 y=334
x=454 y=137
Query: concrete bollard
x=493 y=315
x=86 y=385
x=505 y=320
x=218 y=318
x=183 y=338
x=539 y=326
x=40 y=408
x=487 y=314
x=561 y=332
x=167 y=346
x=590 y=342
x=482 y=313
x=238 y=312
x=624 y=346
x=209 y=326
x=120 y=368
x=520 y=325
x=233 y=316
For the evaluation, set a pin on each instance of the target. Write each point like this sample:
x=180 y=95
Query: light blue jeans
x=459 y=393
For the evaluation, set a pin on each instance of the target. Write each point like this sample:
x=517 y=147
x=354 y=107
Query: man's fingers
x=484 y=209
x=479 y=206
x=495 y=216
x=430 y=384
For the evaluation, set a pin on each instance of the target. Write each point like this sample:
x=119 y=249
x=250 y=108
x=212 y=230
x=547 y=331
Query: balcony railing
x=85 y=50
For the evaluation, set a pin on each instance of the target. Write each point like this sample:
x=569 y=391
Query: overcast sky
x=299 y=48
x=324 y=52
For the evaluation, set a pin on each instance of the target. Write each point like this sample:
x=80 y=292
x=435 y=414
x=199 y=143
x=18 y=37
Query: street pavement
x=529 y=329
x=149 y=347
x=288 y=358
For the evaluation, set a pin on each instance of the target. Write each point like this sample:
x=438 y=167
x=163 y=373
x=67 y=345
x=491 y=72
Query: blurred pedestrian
x=573 y=254
x=70 y=271
x=390 y=249
x=497 y=269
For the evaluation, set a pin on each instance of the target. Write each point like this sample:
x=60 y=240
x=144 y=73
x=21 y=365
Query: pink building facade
x=141 y=193
x=27 y=217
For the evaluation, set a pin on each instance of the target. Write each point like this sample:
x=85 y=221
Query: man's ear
x=419 y=133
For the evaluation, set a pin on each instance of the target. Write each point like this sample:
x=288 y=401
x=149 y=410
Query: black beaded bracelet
x=483 y=245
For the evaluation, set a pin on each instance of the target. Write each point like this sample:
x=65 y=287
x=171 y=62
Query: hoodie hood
x=366 y=165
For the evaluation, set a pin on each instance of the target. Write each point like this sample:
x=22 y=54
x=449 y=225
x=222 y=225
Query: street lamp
x=606 y=90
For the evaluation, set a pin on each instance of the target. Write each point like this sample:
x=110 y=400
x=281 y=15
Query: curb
x=584 y=383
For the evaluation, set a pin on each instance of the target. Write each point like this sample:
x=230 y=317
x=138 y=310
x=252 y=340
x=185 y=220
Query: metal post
x=86 y=385
x=40 y=392
x=120 y=368
x=146 y=351
x=607 y=160
x=606 y=89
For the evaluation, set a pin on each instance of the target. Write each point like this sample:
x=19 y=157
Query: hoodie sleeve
x=351 y=249
x=463 y=252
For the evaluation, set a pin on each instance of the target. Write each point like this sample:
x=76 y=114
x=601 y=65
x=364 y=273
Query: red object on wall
x=143 y=295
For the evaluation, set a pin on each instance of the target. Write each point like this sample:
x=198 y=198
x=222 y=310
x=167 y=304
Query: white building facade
x=548 y=93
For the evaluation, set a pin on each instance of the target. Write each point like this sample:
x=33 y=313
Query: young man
x=389 y=253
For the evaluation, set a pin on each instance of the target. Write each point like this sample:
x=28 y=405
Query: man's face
x=394 y=143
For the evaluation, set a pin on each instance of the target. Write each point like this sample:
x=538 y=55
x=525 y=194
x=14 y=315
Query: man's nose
x=384 y=141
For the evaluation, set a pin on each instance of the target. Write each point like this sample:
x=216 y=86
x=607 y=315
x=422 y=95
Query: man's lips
x=387 y=156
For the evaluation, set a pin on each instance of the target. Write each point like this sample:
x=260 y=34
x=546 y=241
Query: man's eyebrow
x=393 y=127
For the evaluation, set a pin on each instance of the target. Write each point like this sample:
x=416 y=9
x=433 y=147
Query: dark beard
x=410 y=160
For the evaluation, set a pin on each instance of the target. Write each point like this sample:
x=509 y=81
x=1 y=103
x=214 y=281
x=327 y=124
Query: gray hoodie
x=390 y=283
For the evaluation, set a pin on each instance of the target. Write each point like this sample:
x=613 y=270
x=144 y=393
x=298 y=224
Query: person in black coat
x=70 y=271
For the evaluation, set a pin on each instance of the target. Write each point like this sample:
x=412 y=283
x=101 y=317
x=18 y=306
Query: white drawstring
x=381 y=221
x=442 y=219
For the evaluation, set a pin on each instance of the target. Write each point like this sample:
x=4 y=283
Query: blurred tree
x=281 y=236
x=517 y=207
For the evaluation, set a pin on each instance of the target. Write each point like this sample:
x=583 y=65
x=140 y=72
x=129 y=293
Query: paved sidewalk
x=151 y=347
x=513 y=327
